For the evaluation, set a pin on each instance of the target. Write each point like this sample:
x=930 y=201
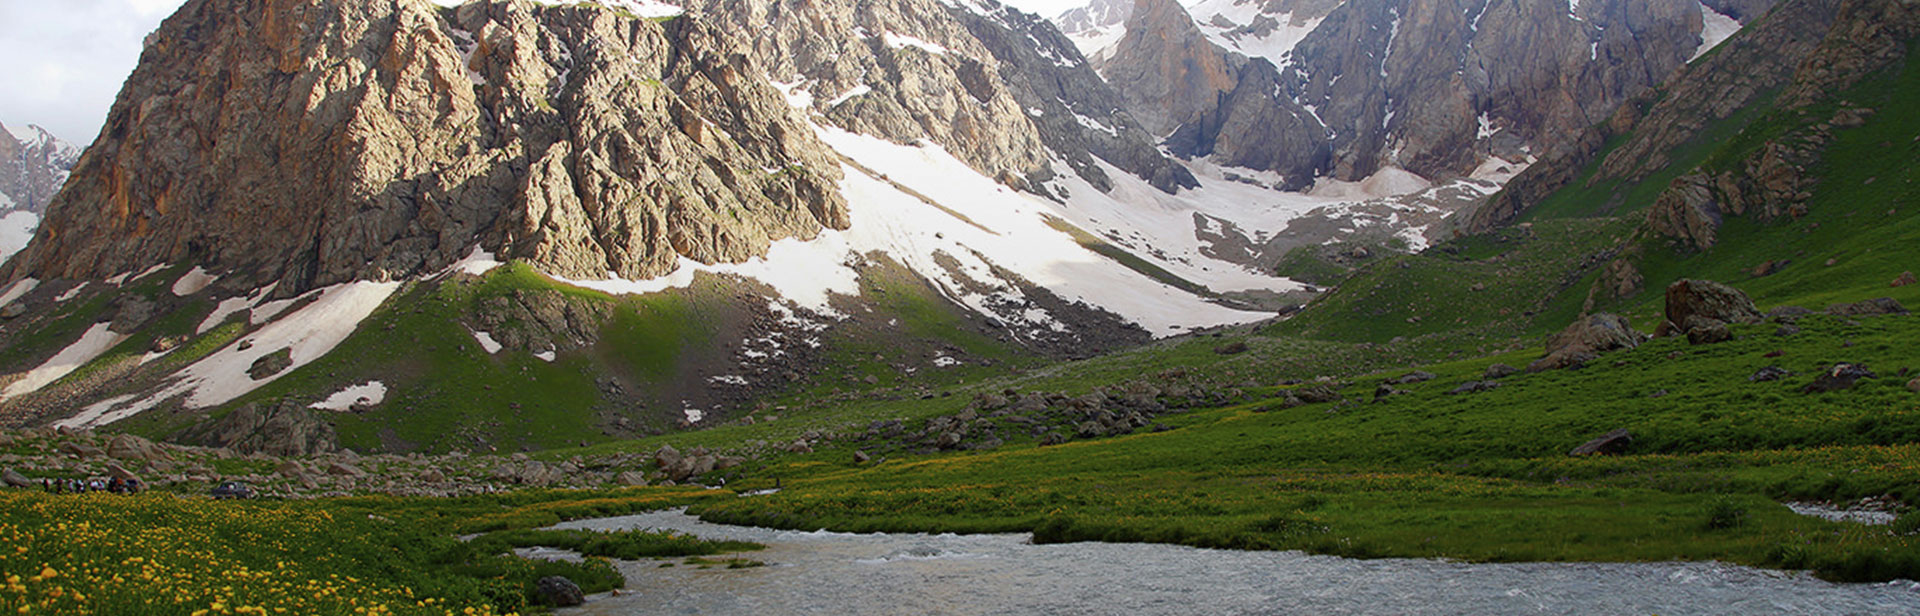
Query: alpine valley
x=1488 y=281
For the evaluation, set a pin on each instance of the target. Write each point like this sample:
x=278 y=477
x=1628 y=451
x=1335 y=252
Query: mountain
x=627 y=216
x=1344 y=90
x=33 y=165
x=1094 y=28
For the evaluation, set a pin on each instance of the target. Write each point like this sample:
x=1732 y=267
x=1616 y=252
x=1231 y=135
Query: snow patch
x=71 y=293
x=487 y=343
x=369 y=393
x=1716 y=29
x=20 y=288
x=859 y=90
x=547 y=356
x=728 y=379
x=901 y=41
x=90 y=345
x=795 y=91
x=477 y=262
x=16 y=229
x=309 y=333
x=232 y=305
x=1222 y=22
x=195 y=281
x=807 y=273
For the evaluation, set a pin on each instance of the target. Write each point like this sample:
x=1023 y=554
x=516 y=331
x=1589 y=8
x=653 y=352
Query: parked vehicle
x=232 y=489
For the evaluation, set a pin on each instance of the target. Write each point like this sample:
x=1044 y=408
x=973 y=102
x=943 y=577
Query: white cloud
x=65 y=61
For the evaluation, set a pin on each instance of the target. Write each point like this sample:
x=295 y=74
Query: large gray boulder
x=560 y=591
x=1697 y=304
x=1585 y=340
x=283 y=429
x=130 y=447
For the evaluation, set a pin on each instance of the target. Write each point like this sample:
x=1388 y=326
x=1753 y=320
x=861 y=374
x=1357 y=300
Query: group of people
x=115 y=485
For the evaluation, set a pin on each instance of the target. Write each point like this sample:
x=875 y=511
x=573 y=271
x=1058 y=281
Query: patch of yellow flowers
x=159 y=554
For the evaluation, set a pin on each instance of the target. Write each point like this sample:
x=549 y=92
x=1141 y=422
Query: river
x=857 y=574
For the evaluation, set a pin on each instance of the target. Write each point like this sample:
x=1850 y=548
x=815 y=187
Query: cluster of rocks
x=1052 y=418
x=33 y=455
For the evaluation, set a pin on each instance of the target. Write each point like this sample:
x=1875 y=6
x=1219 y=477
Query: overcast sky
x=62 y=61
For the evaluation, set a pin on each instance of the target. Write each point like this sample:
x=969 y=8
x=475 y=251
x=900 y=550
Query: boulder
x=1316 y=393
x=667 y=457
x=14 y=479
x=121 y=473
x=861 y=457
x=342 y=469
x=1090 y=429
x=1585 y=339
x=1701 y=330
x=1384 y=391
x=1786 y=330
x=271 y=364
x=1705 y=299
x=1474 y=387
x=1610 y=443
x=130 y=447
x=631 y=479
x=1905 y=278
x=1914 y=385
x=1769 y=373
x=1052 y=438
x=81 y=451
x=1839 y=376
x=284 y=429
x=559 y=591
x=1411 y=377
x=1231 y=348
x=1879 y=306
x=948 y=440
x=1498 y=371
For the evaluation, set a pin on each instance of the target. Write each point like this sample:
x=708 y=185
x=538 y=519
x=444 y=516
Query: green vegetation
x=162 y=554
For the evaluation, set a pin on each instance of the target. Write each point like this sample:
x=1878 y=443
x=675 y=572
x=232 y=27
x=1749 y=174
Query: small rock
x=1384 y=390
x=1840 y=376
x=1707 y=331
x=861 y=457
x=81 y=451
x=1499 y=371
x=1231 y=348
x=342 y=469
x=1610 y=443
x=560 y=591
x=1411 y=377
x=1914 y=385
x=1878 y=306
x=271 y=364
x=1769 y=373
x=1474 y=387
x=1053 y=438
x=1906 y=278
x=13 y=311
x=16 y=480
x=631 y=478
x=1786 y=330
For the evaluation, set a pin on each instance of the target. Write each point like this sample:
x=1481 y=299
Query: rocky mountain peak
x=33 y=165
x=386 y=138
x=1095 y=27
x=1167 y=72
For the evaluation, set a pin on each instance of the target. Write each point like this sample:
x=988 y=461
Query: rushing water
x=840 y=573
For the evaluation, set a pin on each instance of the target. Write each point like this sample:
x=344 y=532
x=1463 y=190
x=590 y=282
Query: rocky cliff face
x=1432 y=86
x=1800 y=53
x=312 y=142
x=33 y=165
x=1002 y=90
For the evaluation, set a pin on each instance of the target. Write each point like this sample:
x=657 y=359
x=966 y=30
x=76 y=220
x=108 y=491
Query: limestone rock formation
x=385 y=138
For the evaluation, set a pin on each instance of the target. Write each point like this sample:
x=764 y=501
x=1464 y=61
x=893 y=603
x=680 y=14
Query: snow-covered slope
x=1248 y=26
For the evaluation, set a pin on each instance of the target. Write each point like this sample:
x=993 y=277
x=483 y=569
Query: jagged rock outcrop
x=1095 y=27
x=1702 y=309
x=385 y=138
x=1585 y=339
x=279 y=429
x=1001 y=90
x=1167 y=72
x=1431 y=86
x=33 y=165
x=1799 y=52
